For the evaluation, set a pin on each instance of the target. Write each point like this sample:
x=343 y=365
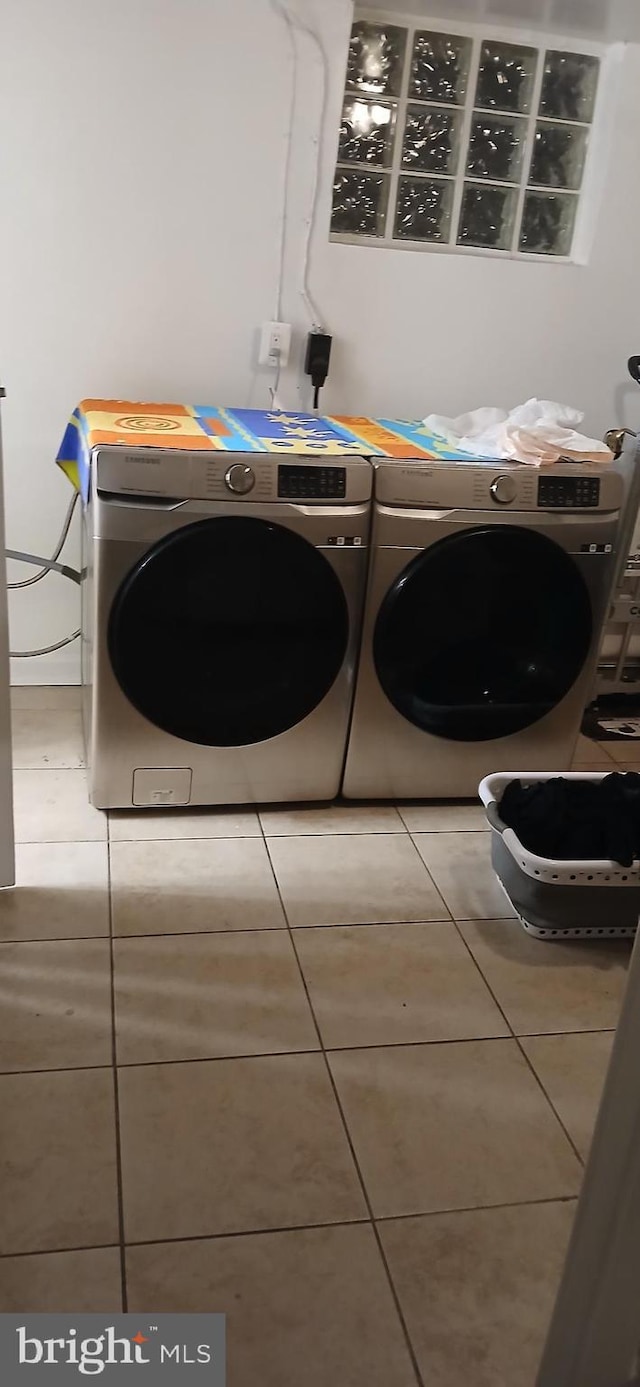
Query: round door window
x=228 y=632
x=483 y=634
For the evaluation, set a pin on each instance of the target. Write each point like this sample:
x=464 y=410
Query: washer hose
x=47 y=566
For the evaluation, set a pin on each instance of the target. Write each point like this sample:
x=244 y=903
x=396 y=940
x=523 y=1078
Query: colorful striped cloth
x=130 y=424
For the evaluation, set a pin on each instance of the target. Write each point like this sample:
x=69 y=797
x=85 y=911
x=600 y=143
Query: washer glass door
x=229 y=631
x=483 y=633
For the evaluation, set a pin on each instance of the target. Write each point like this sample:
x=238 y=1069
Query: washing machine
x=487 y=595
x=221 y=609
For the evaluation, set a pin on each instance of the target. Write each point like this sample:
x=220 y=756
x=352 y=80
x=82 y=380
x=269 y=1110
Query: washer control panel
x=568 y=493
x=246 y=478
x=311 y=483
x=240 y=478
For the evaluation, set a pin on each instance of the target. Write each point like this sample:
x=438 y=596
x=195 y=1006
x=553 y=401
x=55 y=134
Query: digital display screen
x=568 y=493
x=296 y=483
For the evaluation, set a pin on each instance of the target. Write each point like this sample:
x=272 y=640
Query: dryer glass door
x=229 y=631
x=483 y=633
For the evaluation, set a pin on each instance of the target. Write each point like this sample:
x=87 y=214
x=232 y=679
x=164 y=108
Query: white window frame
x=591 y=190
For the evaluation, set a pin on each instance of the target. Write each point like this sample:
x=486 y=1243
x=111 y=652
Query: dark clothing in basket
x=581 y=820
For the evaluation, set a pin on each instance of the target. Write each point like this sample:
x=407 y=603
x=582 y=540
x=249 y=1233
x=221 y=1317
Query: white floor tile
x=354 y=879
x=460 y=864
x=47 y=737
x=52 y=806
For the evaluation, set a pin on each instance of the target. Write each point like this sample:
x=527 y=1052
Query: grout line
x=376 y=1233
x=268 y=929
x=281 y=929
x=116 y=1095
x=485 y=980
x=59 y=842
x=106 y=1067
x=251 y=837
x=359 y=1175
x=58 y=939
x=326 y=1049
x=345 y=833
x=557 y=1035
x=356 y=1166
x=481 y=1208
x=438 y=832
x=306 y=1050
x=202 y=1237
x=521 y=1049
x=432 y=880
x=48 y=766
x=294 y=1227
x=290 y=934
x=585 y=1031
x=57 y=1251
x=581 y=1159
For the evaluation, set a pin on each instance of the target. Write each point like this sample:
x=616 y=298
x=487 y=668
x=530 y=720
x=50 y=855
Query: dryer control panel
x=568 y=493
x=498 y=487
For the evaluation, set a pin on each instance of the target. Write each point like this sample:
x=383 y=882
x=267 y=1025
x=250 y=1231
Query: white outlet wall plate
x=275 y=344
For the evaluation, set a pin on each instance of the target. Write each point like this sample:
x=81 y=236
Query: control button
x=240 y=478
x=504 y=490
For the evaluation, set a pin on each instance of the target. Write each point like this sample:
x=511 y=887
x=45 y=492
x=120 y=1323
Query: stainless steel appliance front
x=222 y=599
x=487 y=592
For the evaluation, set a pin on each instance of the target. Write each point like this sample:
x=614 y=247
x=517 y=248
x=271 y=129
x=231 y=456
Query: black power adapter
x=316 y=362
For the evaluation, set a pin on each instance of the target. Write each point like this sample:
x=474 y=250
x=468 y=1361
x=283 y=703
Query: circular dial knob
x=240 y=478
x=504 y=490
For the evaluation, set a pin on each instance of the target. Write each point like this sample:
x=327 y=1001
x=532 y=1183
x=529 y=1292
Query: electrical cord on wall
x=309 y=302
x=280 y=10
x=275 y=388
x=47 y=566
x=294 y=23
x=316 y=362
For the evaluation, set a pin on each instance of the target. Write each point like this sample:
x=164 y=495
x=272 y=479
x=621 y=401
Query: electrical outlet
x=275 y=344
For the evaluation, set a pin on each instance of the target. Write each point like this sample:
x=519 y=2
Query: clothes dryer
x=488 y=589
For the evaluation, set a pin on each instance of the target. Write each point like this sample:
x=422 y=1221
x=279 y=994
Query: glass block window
x=463 y=141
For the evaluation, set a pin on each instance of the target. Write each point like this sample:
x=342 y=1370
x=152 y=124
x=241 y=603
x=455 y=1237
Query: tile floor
x=301 y=1066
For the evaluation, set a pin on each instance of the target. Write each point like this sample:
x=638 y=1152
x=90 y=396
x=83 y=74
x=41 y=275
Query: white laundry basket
x=559 y=899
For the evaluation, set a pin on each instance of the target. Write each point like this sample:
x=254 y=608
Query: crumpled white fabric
x=537 y=432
